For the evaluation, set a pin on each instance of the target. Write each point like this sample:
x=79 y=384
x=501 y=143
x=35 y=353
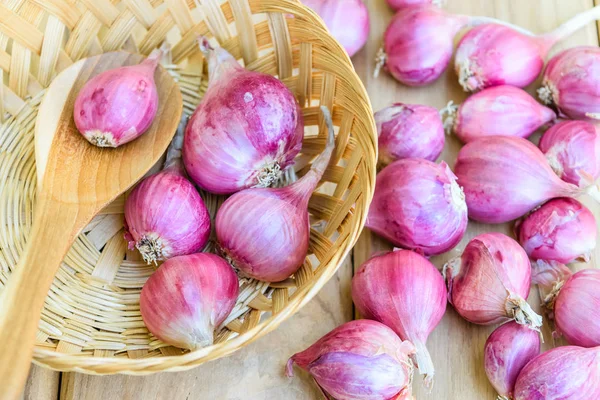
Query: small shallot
x=508 y=349
x=118 y=105
x=495 y=54
x=418 y=206
x=500 y=110
x=187 y=298
x=360 y=360
x=505 y=177
x=245 y=132
x=264 y=232
x=489 y=283
x=562 y=230
x=347 y=20
x=562 y=373
x=164 y=214
x=574 y=301
x=409 y=131
x=571 y=83
x=403 y=290
x=572 y=149
x=419 y=42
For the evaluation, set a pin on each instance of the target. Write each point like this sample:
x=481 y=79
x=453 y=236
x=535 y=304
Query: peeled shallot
x=407 y=293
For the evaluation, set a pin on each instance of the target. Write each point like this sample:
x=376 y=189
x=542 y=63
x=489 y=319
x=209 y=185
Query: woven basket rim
x=102 y=365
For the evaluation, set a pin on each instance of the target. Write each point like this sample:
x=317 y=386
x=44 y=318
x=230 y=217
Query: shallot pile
x=248 y=130
x=499 y=176
x=242 y=137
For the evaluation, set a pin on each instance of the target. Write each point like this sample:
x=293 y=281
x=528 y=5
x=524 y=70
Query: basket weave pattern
x=91 y=321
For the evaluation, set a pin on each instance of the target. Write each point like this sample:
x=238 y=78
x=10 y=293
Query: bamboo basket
x=91 y=321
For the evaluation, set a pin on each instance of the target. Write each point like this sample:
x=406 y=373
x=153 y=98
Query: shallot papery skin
x=398 y=4
x=508 y=349
x=406 y=292
x=264 y=232
x=409 y=131
x=165 y=216
x=187 y=298
x=418 y=206
x=245 y=132
x=497 y=54
x=359 y=360
x=548 y=273
x=505 y=177
x=490 y=281
x=572 y=149
x=347 y=20
x=562 y=373
x=118 y=105
x=501 y=110
x=562 y=230
x=577 y=308
x=571 y=83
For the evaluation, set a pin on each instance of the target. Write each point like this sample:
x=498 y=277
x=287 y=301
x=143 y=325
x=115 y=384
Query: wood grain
x=255 y=372
x=80 y=180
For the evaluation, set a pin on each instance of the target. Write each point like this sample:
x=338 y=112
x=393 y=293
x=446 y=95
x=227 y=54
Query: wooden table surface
x=256 y=372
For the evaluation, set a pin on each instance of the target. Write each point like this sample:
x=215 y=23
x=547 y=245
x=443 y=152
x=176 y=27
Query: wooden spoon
x=79 y=180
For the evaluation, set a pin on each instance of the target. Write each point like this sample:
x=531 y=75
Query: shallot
x=418 y=206
x=504 y=177
x=508 y=349
x=409 y=131
x=264 y=232
x=164 y=214
x=572 y=149
x=118 y=105
x=571 y=83
x=574 y=301
x=495 y=54
x=360 y=360
x=398 y=4
x=347 y=20
x=245 y=132
x=187 y=298
x=489 y=283
x=403 y=290
x=419 y=42
x=565 y=373
x=500 y=110
x=562 y=230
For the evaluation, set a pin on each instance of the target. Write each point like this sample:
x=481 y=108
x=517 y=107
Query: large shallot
x=407 y=293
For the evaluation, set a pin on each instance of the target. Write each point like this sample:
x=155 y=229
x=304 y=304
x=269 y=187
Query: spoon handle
x=54 y=228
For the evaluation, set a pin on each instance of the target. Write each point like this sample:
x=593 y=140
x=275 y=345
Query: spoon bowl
x=77 y=180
